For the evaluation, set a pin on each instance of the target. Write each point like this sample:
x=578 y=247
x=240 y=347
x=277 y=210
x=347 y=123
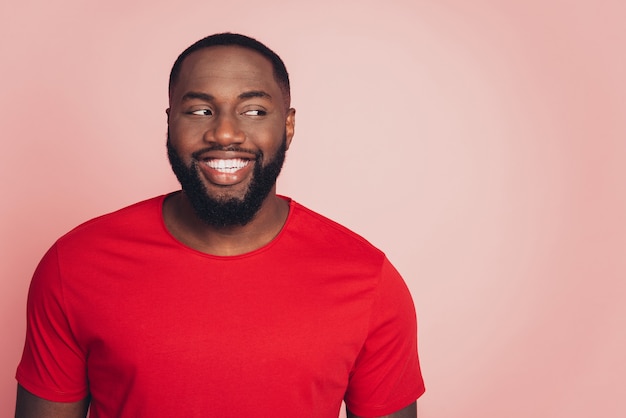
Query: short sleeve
x=386 y=376
x=53 y=366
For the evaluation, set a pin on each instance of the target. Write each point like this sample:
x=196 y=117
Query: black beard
x=231 y=211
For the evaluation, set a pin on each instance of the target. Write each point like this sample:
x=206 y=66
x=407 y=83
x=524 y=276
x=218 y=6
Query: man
x=223 y=299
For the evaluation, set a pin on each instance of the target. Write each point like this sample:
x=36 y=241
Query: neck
x=183 y=223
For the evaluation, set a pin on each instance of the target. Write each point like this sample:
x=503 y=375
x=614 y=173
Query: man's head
x=229 y=126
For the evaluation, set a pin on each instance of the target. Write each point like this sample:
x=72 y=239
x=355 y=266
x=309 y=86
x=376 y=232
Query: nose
x=225 y=131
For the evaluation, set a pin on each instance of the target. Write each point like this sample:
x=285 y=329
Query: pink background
x=481 y=144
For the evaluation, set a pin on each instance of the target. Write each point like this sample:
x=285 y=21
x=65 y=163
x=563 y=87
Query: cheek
x=184 y=138
x=185 y=132
x=270 y=138
x=188 y=127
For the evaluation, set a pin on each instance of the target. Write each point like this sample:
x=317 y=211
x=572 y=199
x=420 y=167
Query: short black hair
x=235 y=39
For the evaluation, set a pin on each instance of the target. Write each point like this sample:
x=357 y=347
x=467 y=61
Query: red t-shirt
x=121 y=310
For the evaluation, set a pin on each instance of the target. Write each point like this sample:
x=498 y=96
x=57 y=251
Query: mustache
x=197 y=155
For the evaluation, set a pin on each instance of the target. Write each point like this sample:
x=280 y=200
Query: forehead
x=225 y=66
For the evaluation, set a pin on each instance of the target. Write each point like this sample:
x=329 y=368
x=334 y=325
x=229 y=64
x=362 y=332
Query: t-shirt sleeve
x=53 y=366
x=386 y=376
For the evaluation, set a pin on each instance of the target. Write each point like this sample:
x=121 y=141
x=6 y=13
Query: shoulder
x=134 y=216
x=139 y=219
x=315 y=228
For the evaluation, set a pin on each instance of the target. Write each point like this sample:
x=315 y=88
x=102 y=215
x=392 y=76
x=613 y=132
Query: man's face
x=228 y=132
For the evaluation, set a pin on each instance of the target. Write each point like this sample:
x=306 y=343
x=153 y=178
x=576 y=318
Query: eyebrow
x=192 y=95
x=255 y=93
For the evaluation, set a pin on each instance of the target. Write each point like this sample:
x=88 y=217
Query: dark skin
x=226 y=96
x=408 y=412
x=31 y=406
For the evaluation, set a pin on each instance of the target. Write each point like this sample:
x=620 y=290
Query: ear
x=290 y=125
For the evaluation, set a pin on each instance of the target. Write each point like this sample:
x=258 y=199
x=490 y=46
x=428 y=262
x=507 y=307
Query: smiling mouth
x=230 y=165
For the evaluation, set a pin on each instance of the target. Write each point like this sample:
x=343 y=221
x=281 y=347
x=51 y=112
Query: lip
x=226 y=168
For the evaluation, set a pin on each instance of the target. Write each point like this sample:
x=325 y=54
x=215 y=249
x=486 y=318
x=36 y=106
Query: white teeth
x=227 y=166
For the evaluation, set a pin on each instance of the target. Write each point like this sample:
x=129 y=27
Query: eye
x=255 y=112
x=201 y=112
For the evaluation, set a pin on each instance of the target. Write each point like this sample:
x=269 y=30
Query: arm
x=53 y=364
x=386 y=375
x=408 y=412
x=31 y=406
